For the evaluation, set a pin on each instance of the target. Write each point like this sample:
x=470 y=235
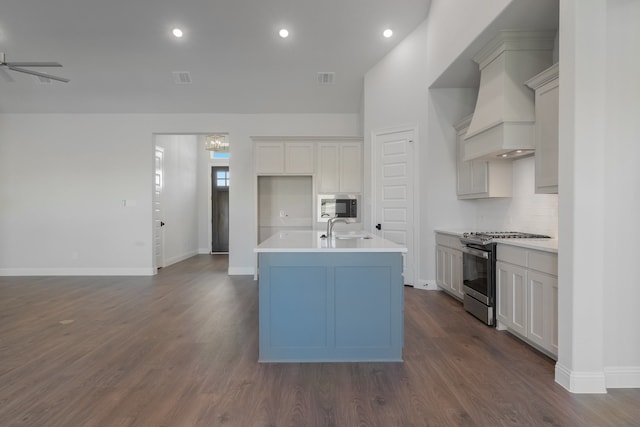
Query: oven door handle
x=476 y=252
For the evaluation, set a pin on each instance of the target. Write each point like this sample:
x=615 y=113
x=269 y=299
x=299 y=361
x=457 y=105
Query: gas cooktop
x=490 y=236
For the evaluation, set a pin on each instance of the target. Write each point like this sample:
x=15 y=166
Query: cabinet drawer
x=543 y=261
x=448 y=240
x=512 y=255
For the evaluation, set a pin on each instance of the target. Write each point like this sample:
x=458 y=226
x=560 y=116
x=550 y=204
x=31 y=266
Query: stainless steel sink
x=352 y=236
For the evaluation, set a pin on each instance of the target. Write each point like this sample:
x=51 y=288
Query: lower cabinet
x=511 y=288
x=543 y=310
x=449 y=265
x=527 y=296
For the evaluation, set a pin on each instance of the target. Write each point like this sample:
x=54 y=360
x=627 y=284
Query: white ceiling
x=120 y=54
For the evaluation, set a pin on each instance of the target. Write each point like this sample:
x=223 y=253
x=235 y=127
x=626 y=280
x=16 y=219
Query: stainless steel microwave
x=340 y=206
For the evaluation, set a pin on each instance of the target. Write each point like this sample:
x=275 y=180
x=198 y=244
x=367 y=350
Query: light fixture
x=387 y=33
x=284 y=33
x=177 y=32
x=516 y=153
x=217 y=142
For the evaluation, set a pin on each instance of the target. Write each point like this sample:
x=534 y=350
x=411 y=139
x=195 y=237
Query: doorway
x=219 y=209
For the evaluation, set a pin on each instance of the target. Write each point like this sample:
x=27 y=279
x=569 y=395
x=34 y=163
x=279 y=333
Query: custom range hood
x=503 y=121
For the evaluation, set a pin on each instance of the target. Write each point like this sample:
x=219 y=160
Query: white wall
x=289 y=195
x=525 y=211
x=598 y=225
x=63 y=178
x=179 y=202
x=397 y=94
x=622 y=194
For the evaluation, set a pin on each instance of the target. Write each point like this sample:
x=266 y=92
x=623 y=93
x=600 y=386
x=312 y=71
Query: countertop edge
x=545 y=245
x=330 y=250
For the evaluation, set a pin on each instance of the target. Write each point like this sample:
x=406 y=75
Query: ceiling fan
x=18 y=66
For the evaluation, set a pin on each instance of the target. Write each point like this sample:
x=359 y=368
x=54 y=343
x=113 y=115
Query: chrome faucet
x=331 y=223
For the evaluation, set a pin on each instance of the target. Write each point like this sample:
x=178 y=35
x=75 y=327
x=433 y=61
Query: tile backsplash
x=525 y=211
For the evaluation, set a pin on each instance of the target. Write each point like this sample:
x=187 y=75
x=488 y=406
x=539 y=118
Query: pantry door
x=393 y=155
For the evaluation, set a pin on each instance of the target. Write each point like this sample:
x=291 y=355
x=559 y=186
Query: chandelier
x=217 y=142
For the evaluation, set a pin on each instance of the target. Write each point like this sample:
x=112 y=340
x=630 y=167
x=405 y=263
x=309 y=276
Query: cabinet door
x=542 y=328
x=339 y=167
x=350 y=168
x=546 y=129
x=440 y=256
x=472 y=176
x=479 y=177
x=464 y=170
x=269 y=158
x=456 y=273
x=511 y=284
x=298 y=158
x=328 y=176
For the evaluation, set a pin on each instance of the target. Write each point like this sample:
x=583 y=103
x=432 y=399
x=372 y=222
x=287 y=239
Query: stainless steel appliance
x=338 y=206
x=479 y=270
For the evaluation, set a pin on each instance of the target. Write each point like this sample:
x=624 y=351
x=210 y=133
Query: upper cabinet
x=279 y=157
x=339 y=167
x=335 y=162
x=478 y=179
x=545 y=85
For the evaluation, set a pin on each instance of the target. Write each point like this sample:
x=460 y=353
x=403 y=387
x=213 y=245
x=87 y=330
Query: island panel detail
x=336 y=307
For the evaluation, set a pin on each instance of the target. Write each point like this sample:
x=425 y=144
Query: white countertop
x=547 y=245
x=310 y=241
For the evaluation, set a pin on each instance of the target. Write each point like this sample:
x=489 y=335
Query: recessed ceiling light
x=177 y=32
x=284 y=33
x=387 y=33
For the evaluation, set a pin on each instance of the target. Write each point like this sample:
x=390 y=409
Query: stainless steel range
x=479 y=270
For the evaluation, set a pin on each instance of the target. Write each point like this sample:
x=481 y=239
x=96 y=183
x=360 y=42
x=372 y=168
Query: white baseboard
x=77 y=271
x=622 y=377
x=580 y=382
x=426 y=285
x=204 y=251
x=178 y=258
x=241 y=271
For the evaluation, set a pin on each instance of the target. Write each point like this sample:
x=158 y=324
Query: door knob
x=379 y=226
x=161 y=223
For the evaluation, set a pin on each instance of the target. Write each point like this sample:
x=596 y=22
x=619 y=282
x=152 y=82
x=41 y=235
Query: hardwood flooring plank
x=181 y=348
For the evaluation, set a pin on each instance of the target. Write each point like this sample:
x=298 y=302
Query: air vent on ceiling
x=326 y=78
x=182 y=77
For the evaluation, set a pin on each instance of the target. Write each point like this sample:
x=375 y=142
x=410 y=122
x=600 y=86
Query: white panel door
x=158 y=232
x=393 y=181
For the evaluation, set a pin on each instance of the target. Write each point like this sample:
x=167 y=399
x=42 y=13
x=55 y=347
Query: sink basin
x=352 y=236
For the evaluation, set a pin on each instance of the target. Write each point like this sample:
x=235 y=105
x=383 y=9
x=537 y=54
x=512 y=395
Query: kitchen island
x=330 y=300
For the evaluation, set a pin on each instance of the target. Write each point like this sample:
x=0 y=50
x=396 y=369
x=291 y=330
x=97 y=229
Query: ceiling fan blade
x=36 y=73
x=6 y=75
x=34 y=64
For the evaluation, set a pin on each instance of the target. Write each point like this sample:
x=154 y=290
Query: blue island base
x=331 y=307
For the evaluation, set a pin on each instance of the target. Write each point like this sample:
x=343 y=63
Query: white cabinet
x=545 y=85
x=511 y=288
x=479 y=179
x=276 y=158
x=449 y=265
x=339 y=167
x=542 y=308
x=527 y=295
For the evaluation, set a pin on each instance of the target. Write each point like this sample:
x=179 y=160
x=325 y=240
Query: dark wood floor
x=180 y=349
